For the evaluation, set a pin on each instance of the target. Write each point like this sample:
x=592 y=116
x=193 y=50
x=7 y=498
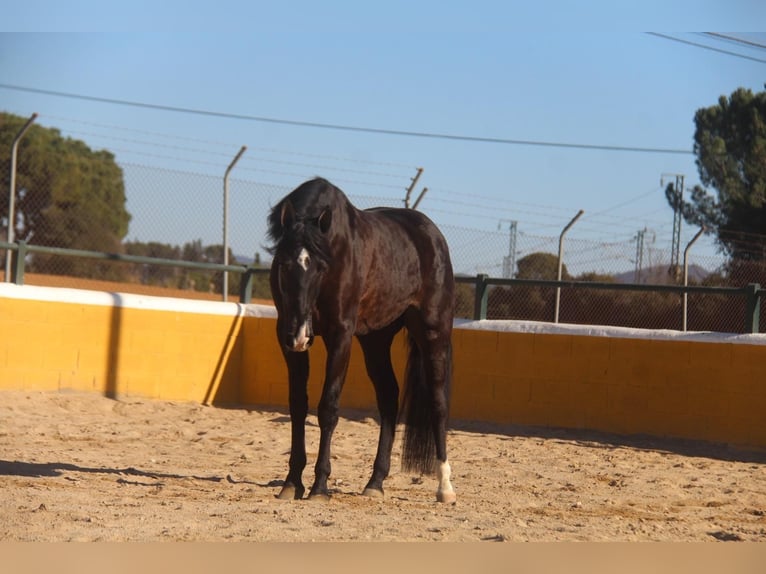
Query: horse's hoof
x=446 y=497
x=290 y=492
x=320 y=496
x=372 y=493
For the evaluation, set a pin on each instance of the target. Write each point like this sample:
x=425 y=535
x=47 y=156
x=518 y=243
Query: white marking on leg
x=445 y=492
x=304 y=259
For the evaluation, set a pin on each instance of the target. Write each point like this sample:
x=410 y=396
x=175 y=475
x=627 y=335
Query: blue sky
x=539 y=71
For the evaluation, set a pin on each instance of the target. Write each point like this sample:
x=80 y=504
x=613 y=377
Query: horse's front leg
x=338 y=354
x=298 y=374
x=377 y=357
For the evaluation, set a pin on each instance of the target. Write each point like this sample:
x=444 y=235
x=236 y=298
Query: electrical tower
x=639 y=254
x=509 y=261
x=675 y=250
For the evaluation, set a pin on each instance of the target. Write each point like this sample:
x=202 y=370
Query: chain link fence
x=179 y=215
x=717 y=309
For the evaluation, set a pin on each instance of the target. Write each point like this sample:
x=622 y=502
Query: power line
x=484 y=203
x=257 y=159
x=626 y=202
x=230 y=144
x=703 y=46
x=734 y=39
x=348 y=128
x=507 y=203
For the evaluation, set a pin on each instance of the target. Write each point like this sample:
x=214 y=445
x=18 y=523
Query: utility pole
x=675 y=250
x=509 y=261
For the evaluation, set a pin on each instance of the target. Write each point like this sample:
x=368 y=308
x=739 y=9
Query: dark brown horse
x=339 y=272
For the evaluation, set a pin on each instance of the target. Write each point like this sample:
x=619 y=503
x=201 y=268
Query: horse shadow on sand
x=128 y=475
x=581 y=437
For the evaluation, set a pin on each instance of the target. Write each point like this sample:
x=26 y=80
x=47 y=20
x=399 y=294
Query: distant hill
x=248 y=260
x=243 y=259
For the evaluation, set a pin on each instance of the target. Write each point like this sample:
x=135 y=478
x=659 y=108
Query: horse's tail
x=419 y=447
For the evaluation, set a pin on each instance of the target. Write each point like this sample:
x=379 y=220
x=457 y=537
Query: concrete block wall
x=696 y=386
x=676 y=386
x=57 y=339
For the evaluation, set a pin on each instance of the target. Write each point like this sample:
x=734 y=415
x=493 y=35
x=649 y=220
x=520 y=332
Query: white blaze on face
x=302 y=338
x=304 y=259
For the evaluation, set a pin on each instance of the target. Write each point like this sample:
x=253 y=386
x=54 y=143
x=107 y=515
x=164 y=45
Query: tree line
x=622 y=308
x=190 y=279
x=68 y=195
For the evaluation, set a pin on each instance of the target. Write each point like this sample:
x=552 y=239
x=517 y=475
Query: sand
x=82 y=467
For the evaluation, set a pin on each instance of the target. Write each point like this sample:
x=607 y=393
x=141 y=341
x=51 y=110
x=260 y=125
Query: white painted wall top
x=132 y=301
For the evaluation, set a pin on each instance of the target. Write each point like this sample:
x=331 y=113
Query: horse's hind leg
x=434 y=340
x=377 y=357
x=427 y=402
x=438 y=369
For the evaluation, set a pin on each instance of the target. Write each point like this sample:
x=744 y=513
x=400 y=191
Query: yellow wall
x=713 y=391
x=117 y=350
x=684 y=386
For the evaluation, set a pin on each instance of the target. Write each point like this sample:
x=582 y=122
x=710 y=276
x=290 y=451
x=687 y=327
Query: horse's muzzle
x=302 y=339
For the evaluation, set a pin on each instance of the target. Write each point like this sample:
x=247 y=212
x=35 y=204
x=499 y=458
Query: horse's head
x=301 y=259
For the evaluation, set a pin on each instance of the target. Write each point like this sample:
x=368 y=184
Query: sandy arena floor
x=81 y=467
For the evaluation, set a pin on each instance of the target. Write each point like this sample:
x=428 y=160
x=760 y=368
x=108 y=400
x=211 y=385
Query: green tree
x=262 y=289
x=464 y=300
x=67 y=196
x=730 y=145
x=540 y=266
x=530 y=302
x=200 y=280
x=594 y=277
x=154 y=274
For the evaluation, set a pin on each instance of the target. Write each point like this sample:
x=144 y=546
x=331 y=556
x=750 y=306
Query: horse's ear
x=324 y=220
x=287 y=216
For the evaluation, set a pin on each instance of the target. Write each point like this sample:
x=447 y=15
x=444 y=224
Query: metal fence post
x=17 y=270
x=561 y=262
x=480 y=297
x=246 y=285
x=414 y=180
x=225 y=287
x=753 y=308
x=12 y=193
x=686 y=272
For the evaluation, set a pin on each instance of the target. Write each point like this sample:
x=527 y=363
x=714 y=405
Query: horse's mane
x=308 y=202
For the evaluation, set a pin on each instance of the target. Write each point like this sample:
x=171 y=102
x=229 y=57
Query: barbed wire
x=248 y=160
x=227 y=156
x=539 y=216
x=234 y=146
